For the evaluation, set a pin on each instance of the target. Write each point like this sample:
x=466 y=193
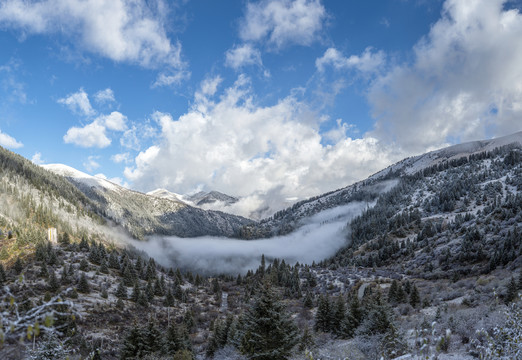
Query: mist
x=320 y=237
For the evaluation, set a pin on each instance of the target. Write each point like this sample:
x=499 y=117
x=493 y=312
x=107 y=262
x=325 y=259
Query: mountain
x=143 y=214
x=165 y=194
x=203 y=198
x=289 y=219
x=430 y=267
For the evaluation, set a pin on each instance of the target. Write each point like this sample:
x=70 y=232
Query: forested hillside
x=431 y=269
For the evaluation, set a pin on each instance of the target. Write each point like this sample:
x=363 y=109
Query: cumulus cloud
x=463 y=83
x=283 y=22
x=91 y=164
x=265 y=154
x=9 y=141
x=78 y=102
x=91 y=135
x=37 y=158
x=368 y=61
x=243 y=55
x=104 y=96
x=121 y=158
x=114 y=121
x=121 y=30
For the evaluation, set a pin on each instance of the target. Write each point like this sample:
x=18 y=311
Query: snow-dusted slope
x=287 y=220
x=203 y=198
x=417 y=163
x=143 y=214
x=165 y=194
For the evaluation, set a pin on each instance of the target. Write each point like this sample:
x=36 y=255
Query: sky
x=273 y=101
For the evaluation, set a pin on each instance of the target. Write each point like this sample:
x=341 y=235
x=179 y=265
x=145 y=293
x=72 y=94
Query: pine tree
x=121 y=291
x=18 y=266
x=54 y=285
x=152 y=338
x=83 y=285
x=136 y=292
x=103 y=266
x=323 y=316
x=520 y=280
x=339 y=314
x=307 y=340
x=269 y=332
x=84 y=244
x=308 y=300
x=65 y=239
x=134 y=344
x=113 y=261
x=3 y=276
x=84 y=265
x=414 y=296
x=169 y=299
x=512 y=291
x=393 y=292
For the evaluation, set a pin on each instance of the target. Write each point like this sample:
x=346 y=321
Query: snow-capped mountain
x=165 y=194
x=142 y=214
x=203 y=198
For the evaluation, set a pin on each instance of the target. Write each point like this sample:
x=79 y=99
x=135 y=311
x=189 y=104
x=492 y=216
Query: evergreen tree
x=103 y=266
x=121 y=291
x=83 y=285
x=308 y=300
x=512 y=291
x=65 y=239
x=3 y=276
x=393 y=292
x=152 y=338
x=113 y=261
x=18 y=266
x=338 y=318
x=54 y=285
x=136 y=292
x=307 y=340
x=169 y=299
x=43 y=271
x=84 y=265
x=393 y=344
x=84 y=244
x=269 y=332
x=414 y=296
x=323 y=316
x=520 y=279
x=134 y=344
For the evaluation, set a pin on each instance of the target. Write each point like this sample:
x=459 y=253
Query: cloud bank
x=264 y=154
x=319 y=238
x=464 y=82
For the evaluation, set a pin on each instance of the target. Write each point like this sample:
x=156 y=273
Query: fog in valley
x=318 y=238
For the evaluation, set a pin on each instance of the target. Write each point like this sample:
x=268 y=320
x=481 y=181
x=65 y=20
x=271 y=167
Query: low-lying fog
x=319 y=238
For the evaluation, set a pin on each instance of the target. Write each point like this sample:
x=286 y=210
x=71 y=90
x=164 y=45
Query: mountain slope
x=287 y=220
x=143 y=214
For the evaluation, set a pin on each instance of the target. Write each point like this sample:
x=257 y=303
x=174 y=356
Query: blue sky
x=272 y=100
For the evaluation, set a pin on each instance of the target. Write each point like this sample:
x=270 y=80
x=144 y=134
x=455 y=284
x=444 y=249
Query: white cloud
x=171 y=78
x=78 y=102
x=121 y=158
x=104 y=96
x=122 y=30
x=368 y=61
x=283 y=22
x=464 y=81
x=9 y=141
x=130 y=139
x=91 y=135
x=37 y=158
x=114 y=121
x=243 y=55
x=91 y=164
x=264 y=154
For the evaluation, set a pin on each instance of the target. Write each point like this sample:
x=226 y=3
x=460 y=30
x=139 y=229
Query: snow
x=67 y=171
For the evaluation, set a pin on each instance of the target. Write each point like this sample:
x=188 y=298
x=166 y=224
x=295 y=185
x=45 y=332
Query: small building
x=52 y=235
